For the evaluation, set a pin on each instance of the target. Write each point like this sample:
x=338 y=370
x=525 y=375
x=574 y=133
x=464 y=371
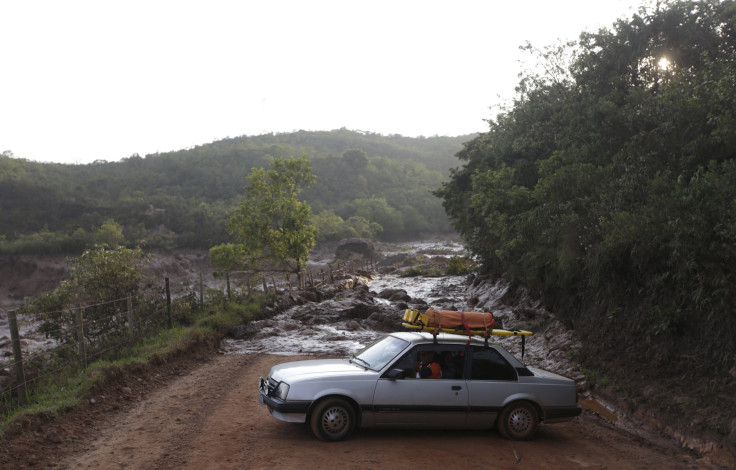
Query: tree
x=110 y=234
x=100 y=280
x=271 y=224
x=378 y=210
x=331 y=227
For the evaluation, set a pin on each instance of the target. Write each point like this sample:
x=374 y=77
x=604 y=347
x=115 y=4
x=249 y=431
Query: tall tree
x=271 y=223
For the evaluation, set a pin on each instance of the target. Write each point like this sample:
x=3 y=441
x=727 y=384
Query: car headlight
x=282 y=390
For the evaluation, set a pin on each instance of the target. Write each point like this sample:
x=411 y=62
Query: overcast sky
x=102 y=80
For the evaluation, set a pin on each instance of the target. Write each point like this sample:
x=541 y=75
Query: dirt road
x=208 y=417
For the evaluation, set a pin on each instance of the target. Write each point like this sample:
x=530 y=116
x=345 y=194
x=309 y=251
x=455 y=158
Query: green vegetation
x=459 y=266
x=366 y=185
x=610 y=186
x=102 y=279
x=438 y=266
x=57 y=383
x=271 y=223
x=50 y=397
x=423 y=270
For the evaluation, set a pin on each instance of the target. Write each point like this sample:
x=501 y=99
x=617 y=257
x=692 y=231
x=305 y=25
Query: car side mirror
x=394 y=374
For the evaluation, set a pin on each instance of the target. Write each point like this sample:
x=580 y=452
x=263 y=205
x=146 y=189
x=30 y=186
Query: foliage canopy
x=609 y=187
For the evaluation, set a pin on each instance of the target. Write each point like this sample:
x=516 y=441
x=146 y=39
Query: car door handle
x=457 y=387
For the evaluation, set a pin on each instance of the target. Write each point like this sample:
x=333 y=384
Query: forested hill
x=367 y=185
x=436 y=153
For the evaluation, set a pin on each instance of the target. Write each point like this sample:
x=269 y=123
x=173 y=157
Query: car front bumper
x=289 y=411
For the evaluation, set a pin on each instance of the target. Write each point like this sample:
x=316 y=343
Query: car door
x=490 y=380
x=402 y=399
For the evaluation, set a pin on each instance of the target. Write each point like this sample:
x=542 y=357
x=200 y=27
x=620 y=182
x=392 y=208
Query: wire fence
x=82 y=334
x=86 y=333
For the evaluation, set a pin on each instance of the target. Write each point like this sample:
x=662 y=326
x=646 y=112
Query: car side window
x=450 y=359
x=407 y=364
x=453 y=364
x=488 y=364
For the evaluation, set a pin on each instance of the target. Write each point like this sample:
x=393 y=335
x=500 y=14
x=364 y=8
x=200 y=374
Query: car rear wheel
x=333 y=420
x=518 y=421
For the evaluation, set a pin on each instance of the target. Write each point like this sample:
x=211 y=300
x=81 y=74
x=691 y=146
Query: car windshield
x=375 y=356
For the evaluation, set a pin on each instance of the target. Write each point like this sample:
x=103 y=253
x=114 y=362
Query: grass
x=51 y=398
x=64 y=389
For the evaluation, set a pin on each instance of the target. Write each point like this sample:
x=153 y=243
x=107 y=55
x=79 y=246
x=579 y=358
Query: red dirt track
x=207 y=416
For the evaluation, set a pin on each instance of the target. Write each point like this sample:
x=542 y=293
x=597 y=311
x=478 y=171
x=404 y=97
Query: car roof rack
x=459 y=322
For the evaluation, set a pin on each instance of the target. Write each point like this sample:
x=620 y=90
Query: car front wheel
x=518 y=421
x=333 y=420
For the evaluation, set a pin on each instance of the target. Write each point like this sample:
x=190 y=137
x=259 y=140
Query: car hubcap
x=519 y=421
x=334 y=421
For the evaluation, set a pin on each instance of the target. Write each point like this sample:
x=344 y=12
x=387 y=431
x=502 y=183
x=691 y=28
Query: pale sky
x=102 y=80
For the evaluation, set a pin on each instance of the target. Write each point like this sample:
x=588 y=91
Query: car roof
x=417 y=337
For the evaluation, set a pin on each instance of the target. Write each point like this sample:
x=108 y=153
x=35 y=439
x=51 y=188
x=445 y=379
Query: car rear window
x=487 y=364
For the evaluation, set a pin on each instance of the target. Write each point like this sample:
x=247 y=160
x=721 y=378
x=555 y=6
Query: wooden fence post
x=227 y=281
x=17 y=357
x=80 y=339
x=168 y=304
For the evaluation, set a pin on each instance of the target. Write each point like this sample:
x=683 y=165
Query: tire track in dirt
x=158 y=432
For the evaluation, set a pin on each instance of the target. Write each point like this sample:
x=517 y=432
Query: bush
x=458 y=266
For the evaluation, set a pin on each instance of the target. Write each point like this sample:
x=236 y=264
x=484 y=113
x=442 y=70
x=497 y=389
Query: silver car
x=477 y=386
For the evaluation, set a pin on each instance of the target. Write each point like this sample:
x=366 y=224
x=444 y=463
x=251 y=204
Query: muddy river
x=283 y=336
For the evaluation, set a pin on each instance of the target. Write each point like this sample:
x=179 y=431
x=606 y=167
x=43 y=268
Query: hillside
x=181 y=199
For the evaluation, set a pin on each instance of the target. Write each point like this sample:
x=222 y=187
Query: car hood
x=302 y=370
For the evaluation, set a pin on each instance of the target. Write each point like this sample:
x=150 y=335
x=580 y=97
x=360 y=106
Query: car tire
x=518 y=421
x=332 y=420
